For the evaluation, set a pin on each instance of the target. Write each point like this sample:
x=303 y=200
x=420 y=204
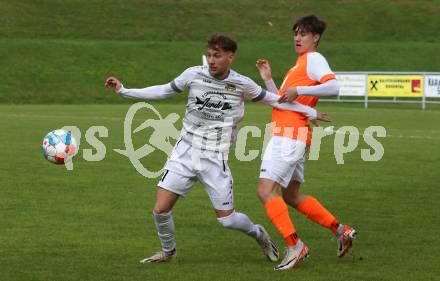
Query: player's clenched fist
x=113 y=82
x=290 y=94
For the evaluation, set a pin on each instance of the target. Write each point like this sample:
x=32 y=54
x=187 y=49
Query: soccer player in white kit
x=214 y=109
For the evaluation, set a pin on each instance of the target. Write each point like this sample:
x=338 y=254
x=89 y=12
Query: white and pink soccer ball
x=59 y=146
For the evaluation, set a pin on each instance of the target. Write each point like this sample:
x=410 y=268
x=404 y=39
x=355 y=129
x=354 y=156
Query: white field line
x=413 y=137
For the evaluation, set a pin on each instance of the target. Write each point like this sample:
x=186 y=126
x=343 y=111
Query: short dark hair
x=221 y=41
x=310 y=23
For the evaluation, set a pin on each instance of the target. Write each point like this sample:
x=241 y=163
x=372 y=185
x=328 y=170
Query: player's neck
x=222 y=76
x=308 y=51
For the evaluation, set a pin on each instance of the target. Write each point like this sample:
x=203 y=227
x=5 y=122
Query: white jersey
x=215 y=107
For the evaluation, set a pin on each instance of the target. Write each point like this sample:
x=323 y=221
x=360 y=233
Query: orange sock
x=291 y=240
x=278 y=213
x=313 y=210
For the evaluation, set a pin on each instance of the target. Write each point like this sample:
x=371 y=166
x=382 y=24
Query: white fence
x=396 y=87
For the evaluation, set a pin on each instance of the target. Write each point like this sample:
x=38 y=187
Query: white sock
x=240 y=221
x=165 y=230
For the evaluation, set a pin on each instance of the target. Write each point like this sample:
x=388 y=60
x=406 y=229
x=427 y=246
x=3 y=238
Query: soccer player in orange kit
x=283 y=161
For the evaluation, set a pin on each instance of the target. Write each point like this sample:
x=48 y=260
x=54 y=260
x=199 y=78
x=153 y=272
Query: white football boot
x=160 y=256
x=269 y=247
x=293 y=256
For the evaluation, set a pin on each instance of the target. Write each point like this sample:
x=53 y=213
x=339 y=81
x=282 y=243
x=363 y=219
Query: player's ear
x=316 y=38
x=231 y=56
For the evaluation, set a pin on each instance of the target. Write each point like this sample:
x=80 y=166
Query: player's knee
x=264 y=192
x=160 y=209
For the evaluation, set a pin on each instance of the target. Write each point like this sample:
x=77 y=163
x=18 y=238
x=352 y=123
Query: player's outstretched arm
x=255 y=93
x=149 y=93
x=272 y=100
x=327 y=89
x=311 y=113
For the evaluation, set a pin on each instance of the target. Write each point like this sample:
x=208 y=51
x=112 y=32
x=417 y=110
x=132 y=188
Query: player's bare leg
x=314 y=211
x=291 y=195
x=163 y=220
x=278 y=213
x=239 y=221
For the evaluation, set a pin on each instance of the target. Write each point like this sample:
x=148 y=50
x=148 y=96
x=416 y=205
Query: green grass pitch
x=94 y=223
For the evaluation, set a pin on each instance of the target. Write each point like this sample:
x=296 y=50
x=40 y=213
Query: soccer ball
x=59 y=146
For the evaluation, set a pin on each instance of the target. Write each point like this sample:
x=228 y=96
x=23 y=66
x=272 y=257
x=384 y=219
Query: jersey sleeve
x=253 y=91
x=318 y=69
x=182 y=81
x=157 y=92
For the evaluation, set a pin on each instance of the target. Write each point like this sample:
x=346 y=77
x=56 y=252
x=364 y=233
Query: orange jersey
x=310 y=69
